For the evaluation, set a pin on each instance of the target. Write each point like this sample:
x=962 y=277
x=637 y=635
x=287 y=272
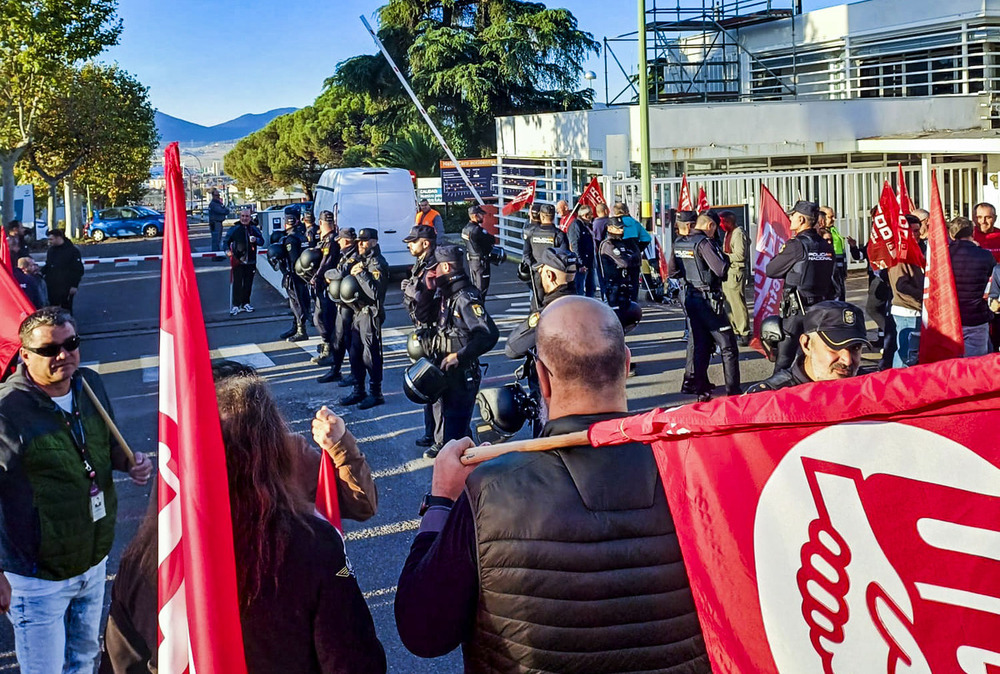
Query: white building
x=821 y=106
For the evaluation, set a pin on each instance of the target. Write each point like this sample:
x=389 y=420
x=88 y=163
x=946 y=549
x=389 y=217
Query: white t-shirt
x=65 y=402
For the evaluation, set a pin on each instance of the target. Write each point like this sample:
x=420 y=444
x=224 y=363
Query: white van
x=380 y=198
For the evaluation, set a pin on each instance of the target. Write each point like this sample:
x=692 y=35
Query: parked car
x=126 y=221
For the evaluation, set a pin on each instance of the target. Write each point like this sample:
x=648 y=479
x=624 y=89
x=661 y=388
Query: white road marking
x=411 y=466
x=248 y=354
x=133 y=263
x=150 y=368
x=384 y=530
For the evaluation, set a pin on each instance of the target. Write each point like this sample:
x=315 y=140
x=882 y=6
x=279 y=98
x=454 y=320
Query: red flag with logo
x=908 y=247
x=772 y=233
x=882 y=250
x=684 y=204
x=591 y=197
x=14 y=307
x=198 y=608
x=703 y=201
x=941 y=333
x=525 y=197
x=840 y=527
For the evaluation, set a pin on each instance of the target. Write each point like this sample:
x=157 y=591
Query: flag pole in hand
x=109 y=422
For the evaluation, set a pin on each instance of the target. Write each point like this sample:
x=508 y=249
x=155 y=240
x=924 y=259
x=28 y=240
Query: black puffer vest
x=579 y=565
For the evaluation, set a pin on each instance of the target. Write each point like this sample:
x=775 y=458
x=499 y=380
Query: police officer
x=372 y=274
x=324 y=308
x=312 y=229
x=293 y=243
x=343 y=317
x=422 y=303
x=478 y=244
x=830 y=347
x=620 y=261
x=465 y=333
x=538 y=237
x=702 y=266
x=806 y=262
x=557 y=271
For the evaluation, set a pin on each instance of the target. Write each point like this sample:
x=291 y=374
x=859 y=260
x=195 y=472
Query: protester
x=987 y=235
x=735 y=245
x=504 y=549
x=63 y=270
x=16 y=229
x=829 y=348
x=58 y=501
x=600 y=223
x=839 y=252
x=907 y=283
x=29 y=276
x=581 y=242
x=217 y=213
x=300 y=606
x=478 y=245
x=562 y=212
x=972 y=267
x=371 y=272
x=633 y=229
x=430 y=217
x=240 y=244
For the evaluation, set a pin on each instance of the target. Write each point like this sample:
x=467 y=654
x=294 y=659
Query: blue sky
x=211 y=62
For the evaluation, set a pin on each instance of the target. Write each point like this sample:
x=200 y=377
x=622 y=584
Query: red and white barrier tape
x=216 y=255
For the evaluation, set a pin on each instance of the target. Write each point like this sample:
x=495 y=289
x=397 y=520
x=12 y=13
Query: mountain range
x=172 y=128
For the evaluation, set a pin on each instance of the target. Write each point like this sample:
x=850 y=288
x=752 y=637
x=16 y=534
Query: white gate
x=553 y=178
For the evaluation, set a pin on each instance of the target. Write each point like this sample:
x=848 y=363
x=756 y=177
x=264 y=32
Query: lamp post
x=590 y=76
x=645 y=180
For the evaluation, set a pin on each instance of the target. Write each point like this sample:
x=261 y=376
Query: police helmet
x=276 y=237
x=771 y=334
x=350 y=290
x=424 y=382
x=505 y=409
x=333 y=277
x=629 y=315
x=414 y=349
x=524 y=272
x=308 y=263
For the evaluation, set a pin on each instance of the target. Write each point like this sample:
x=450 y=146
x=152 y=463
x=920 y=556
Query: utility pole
x=645 y=179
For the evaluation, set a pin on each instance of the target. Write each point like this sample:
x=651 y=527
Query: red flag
x=882 y=252
x=525 y=197
x=198 y=609
x=774 y=230
x=661 y=258
x=14 y=307
x=685 y=200
x=703 y=206
x=840 y=527
x=941 y=334
x=909 y=250
x=327 y=498
x=591 y=197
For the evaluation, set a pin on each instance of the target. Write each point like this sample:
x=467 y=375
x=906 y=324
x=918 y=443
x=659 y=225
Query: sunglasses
x=53 y=350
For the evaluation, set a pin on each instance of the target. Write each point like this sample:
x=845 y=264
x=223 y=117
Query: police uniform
x=366 y=329
x=423 y=305
x=806 y=263
x=324 y=308
x=688 y=219
x=343 y=315
x=538 y=237
x=464 y=328
x=293 y=243
x=621 y=263
x=312 y=230
x=702 y=266
x=478 y=244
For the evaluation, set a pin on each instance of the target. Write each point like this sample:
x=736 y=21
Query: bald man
x=504 y=548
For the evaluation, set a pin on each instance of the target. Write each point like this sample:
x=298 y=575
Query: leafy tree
x=38 y=38
x=414 y=149
x=470 y=61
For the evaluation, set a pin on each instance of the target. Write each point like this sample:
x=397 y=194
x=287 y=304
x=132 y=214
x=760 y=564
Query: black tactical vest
x=812 y=276
x=696 y=270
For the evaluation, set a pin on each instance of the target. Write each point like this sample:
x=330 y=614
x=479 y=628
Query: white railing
x=554 y=182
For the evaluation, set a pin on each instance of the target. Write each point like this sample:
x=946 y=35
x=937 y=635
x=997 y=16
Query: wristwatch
x=430 y=500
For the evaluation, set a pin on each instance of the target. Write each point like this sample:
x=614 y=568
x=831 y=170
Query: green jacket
x=46 y=527
x=838 y=241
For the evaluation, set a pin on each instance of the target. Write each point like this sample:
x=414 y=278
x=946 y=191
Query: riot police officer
x=465 y=332
x=807 y=264
x=422 y=303
x=343 y=316
x=536 y=239
x=702 y=266
x=620 y=262
x=312 y=229
x=324 y=308
x=557 y=271
x=293 y=243
x=478 y=244
x=371 y=272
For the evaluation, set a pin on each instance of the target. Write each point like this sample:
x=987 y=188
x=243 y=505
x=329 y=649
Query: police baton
x=108 y=422
x=474 y=455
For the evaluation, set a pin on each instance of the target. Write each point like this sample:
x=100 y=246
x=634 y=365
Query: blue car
x=126 y=221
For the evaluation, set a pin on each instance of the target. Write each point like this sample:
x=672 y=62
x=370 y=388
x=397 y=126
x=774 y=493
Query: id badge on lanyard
x=97 y=508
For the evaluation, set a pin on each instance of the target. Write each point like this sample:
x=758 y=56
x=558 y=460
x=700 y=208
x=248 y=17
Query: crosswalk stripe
x=150 y=368
x=248 y=354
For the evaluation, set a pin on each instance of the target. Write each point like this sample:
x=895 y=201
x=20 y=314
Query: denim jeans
x=586 y=283
x=58 y=633
x=907 y=340
x=977 y=339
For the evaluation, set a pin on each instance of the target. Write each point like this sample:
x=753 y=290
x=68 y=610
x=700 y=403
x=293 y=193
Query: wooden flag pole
x=108 y=421
x=474 y=455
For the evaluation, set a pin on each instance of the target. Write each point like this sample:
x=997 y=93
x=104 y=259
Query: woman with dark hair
x=300 y=605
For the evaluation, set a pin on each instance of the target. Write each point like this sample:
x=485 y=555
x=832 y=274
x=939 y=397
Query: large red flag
x=882 y=251
x=941 y=333
x=703 y=205
x=909 y=249
x=14 y=307
x=840 y=527
x=525 y=197
x=684 y=203
x=198 y=608
x=592 y=196
x=774 y=230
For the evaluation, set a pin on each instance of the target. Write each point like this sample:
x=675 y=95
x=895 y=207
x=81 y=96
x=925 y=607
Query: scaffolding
x=694 y=50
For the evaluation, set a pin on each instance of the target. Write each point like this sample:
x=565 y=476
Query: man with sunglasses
x=57 y=498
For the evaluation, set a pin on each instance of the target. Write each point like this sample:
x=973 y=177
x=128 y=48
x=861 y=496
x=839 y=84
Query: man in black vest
x=422 y=303
x=807 y=265
x=536 y=239
x=372 y=274
x=478 y=244
x=240 y=244
x=503 y=550
x=699 y=262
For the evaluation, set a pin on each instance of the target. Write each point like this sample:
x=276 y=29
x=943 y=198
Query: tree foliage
x=414 y=149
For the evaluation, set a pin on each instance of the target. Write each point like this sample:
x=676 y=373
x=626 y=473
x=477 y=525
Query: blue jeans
x=58 y=633
x=907 y=340
x=586 y=283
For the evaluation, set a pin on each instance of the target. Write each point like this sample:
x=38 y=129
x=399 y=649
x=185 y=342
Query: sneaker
x=234 y=311
x=432 y=452
x=329 y=377
x=425 y=441
x=353 y=399
x=248 y=308
x=371 y=401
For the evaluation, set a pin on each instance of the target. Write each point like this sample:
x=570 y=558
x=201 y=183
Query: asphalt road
x=118 y=309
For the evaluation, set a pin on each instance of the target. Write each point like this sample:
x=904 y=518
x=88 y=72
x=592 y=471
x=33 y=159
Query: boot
x=289 y=332
x=347 y=381
x=329 y=377
x=432 y=452
x=323 y=357
x=300 y=335
x=425 y=441
x=353 y=399
x=373 y=398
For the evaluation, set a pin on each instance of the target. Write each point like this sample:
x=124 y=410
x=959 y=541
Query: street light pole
x=645 y=179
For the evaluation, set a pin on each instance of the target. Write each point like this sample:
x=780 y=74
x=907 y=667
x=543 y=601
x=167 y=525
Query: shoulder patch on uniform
x=348 y=570
x=478 y=310
x=782 y=249
x=376 y=273
x=533 y=319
